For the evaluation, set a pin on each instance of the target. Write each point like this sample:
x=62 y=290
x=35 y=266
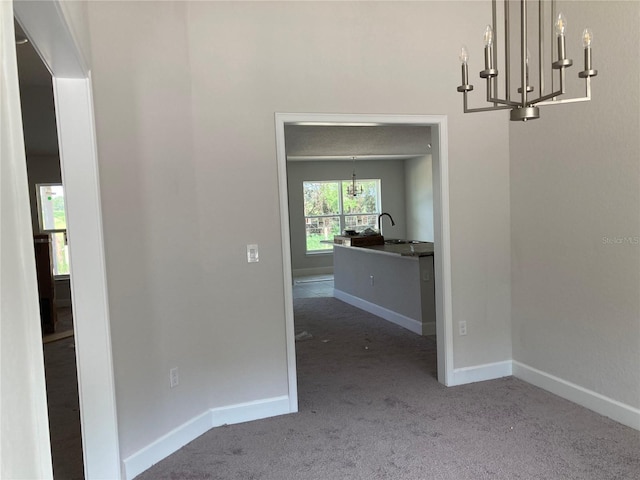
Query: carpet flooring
x=371 y=408
x=62 y=400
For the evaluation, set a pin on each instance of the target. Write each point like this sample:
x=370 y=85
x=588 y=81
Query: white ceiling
x=335 y=142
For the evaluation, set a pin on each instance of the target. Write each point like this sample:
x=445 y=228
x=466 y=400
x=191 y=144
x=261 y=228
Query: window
x=53 y=220
x=328 y=210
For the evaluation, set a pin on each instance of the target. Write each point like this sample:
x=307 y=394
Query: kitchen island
x=394 y=281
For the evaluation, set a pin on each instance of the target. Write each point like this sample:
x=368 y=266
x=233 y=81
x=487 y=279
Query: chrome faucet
x=380 y=221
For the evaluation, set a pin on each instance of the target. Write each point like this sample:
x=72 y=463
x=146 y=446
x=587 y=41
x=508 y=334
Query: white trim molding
x=480 y=373
x=409 y=323
x=164 y=446
x=618 y=411
x=442 y=249
x=46 y=26
x=177 y=438
x=305 y=272
x=256 y=410
x=89 y=293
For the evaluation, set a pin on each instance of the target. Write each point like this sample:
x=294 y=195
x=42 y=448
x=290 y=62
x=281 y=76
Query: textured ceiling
x=315 y=141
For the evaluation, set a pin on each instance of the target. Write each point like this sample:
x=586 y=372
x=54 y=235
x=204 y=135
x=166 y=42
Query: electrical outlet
x=252 y=253
x=173 y=377
x=371 y=280
x=462 y=327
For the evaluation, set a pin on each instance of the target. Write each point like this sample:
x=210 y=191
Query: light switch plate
x=462 y=327
x=252 y=253
x=173 y=377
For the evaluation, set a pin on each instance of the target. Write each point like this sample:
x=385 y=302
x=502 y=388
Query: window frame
x=341 y=215
x=39 y=204
x=52 y=231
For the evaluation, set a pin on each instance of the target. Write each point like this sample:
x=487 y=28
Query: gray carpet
x=371 y=408
x=62 y=400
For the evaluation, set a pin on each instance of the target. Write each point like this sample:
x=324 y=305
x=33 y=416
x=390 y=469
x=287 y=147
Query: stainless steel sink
x=400 y=241
x=395 y=241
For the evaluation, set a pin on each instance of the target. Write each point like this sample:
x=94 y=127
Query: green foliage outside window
x=329 y=209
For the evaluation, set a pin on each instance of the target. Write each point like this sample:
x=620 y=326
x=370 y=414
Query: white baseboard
x=177 y=438
x=406 y=322
x=480 y=373
x=305 y=272
x=166 y=445
x=246 y=412
x=618 y=411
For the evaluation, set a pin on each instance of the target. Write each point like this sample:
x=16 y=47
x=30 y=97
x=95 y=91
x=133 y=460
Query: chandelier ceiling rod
x=526 y=108
x=352 y=190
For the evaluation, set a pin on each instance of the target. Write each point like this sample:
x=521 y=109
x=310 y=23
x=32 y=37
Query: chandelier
x=354 y=190
x=525 y=105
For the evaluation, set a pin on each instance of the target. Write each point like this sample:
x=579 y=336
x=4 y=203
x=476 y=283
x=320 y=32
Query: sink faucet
x=380 y=221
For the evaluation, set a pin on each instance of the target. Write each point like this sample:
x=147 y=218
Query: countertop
x=423 y=249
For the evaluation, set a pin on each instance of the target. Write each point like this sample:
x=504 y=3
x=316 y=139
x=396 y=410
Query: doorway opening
x=46 y=28
x=438 y=127
x=47 y=201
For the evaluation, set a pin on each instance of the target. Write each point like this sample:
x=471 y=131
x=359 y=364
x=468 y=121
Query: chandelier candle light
x=526 y=109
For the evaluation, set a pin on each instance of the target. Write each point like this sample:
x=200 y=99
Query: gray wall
x=39 y=119
x=419 y=198
x=185 y=95
x=392 y=187
x=396 y=284
x=575 y=200
x=40 y=139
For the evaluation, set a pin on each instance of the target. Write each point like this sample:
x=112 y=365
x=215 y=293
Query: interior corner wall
x=575 y=216
x=185 y=95
x=392 y=187
x=419 y=197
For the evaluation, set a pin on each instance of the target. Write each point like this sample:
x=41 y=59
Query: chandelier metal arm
x=491 y=98
x=507 y=46
x=481 y=109
x=565 y=100
x=539 y=100
x=509 y=103
x=523 y=53
x=586 y=98
x=525 y=108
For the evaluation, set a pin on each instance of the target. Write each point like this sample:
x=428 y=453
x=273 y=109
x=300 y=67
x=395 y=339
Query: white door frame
x=45 y=25
x=442 y=256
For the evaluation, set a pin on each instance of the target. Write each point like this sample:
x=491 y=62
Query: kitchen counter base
x=398 y=288
x=411 y=324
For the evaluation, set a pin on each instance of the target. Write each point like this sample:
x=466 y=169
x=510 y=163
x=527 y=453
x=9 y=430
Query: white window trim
x=39 y=204
x=62 y=276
